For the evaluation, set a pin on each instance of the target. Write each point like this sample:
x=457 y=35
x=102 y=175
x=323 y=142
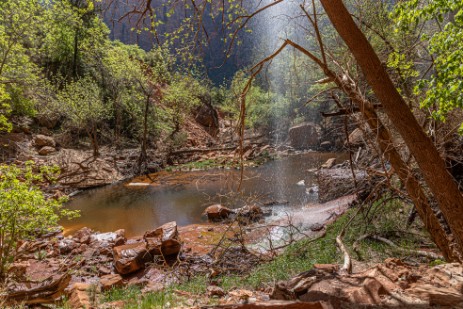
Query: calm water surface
x=183 y=196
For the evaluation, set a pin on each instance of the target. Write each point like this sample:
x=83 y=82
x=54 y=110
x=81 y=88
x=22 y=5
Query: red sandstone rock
x=131 y=257
x=163 y=240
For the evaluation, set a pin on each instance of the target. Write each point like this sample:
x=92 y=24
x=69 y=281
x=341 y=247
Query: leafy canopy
x=444 y=19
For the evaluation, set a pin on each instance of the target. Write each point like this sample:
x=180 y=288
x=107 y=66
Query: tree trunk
x=439 y=180
x=143 y=156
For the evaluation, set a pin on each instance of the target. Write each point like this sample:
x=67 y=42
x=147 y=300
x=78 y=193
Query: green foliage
x=24 y=210
x=264 y=108
x=442 y=22
x=82 y=102
x=181 y=97
x=18 y=73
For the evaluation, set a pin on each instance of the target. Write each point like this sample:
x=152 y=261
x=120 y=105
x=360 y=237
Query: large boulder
x=217 y=212
x=131 y=257
x=303 y=136
x=207 y=116
x=163 y=240
x=43 y=140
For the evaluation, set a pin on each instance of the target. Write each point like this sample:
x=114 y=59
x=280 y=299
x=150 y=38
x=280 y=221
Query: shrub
x=24 y=210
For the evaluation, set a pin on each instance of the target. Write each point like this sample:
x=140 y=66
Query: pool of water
x=145 y=203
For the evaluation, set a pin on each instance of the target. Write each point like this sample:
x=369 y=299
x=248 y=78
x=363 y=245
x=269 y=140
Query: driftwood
x=46 y=293
x=347 y=265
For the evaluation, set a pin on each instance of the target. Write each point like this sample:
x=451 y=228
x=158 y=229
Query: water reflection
x=182 y=196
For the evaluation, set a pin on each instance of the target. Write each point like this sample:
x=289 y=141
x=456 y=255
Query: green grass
x=385 y=218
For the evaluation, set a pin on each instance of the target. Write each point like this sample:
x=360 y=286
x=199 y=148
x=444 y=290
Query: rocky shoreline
x=55 y=265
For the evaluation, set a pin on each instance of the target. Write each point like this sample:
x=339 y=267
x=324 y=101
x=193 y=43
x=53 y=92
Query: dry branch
x=427 y=254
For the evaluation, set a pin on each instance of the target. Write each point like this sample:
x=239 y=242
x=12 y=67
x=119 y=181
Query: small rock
x=46 y=150
x=102 y=270
x=79 y=296
x=82 y=234
x=109 y=281
x=213 y=290
x=85 y=239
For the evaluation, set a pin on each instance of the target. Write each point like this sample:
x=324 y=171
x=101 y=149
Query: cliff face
x=209 y=50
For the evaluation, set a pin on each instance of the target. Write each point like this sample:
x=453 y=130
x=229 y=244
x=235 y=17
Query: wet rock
x=116 y=238
x=43 y=140
x=250 y=213
x=46 y=150
x=213 y=290
x=329 y=163
x=303 y=136
x=217 y=212
x=131 y=257
x=163 y=240
x=110 y=281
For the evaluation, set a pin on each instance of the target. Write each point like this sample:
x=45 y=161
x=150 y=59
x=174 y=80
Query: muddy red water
x=145 y=203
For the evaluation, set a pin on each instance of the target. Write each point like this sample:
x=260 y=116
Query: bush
x=24 y=210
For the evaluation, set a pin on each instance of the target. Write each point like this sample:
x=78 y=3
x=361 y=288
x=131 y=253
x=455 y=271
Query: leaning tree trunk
x=412 y=185
x=439 y=180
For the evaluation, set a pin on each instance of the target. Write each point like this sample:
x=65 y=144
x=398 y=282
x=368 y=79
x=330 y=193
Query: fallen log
x=202 y=150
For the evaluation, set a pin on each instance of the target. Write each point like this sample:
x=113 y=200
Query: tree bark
x=439 y=180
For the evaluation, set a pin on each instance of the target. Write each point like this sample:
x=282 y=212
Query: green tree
x=442 y=24
x=24 y=210
x=182 y=96
x=83 y=108
x=18 y=73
